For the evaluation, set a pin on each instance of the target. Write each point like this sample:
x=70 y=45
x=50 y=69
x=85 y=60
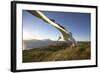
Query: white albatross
x=67 y=36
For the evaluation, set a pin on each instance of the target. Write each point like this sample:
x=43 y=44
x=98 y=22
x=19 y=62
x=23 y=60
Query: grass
x=60 y=52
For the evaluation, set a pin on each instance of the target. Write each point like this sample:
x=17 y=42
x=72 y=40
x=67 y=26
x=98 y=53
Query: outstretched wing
x=39 y=14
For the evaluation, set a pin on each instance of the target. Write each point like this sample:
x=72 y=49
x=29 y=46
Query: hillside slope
x=61 y=52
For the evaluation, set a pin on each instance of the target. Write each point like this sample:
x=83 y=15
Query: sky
x=78 y=24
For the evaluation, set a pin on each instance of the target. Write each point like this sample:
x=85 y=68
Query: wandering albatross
x=67 y=36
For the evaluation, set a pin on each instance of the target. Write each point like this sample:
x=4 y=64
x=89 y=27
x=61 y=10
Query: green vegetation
x=61 y=52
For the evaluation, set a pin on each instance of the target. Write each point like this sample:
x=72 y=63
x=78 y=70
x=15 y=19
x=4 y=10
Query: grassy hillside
x=60 y=52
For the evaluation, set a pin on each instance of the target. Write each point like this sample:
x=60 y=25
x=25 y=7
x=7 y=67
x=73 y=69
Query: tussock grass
x=59 y=52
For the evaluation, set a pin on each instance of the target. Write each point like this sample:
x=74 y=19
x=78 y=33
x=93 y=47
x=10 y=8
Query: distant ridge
x=35 y=43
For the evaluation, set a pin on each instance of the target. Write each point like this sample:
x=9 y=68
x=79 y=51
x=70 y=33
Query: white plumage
x=67 y=36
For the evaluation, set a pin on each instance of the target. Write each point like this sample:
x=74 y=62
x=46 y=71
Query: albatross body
x=67 y=36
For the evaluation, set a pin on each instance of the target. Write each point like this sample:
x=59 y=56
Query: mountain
x=34 y=43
